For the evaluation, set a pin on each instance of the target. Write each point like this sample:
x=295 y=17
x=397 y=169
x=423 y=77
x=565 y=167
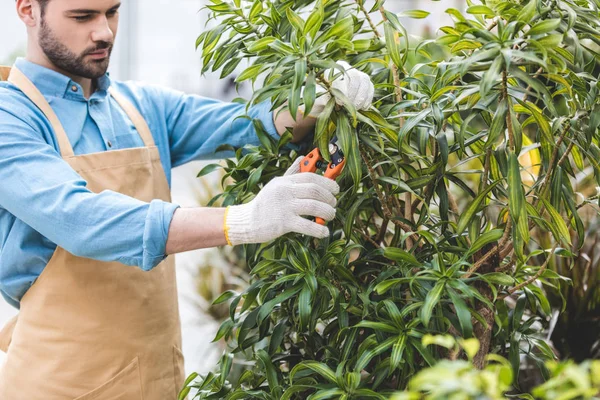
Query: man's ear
x=28 y=13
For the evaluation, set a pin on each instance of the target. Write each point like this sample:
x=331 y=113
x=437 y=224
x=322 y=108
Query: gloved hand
x=356 y=85
x=279 y=206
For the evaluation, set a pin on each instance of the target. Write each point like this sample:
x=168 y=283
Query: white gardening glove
x=279 y=206
x=354 y=84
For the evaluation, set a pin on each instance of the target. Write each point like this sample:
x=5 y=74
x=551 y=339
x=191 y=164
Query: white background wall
x=156 y=43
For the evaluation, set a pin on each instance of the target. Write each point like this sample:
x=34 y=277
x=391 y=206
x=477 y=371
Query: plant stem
x=551 y=165
x=486 y=170
x=509 y=126
x=495 y=249
x=382 y=199
x=368 y=17
x=537 y=74
x=534 y=277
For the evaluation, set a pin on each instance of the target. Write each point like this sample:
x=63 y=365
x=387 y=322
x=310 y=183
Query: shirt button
x=74 y=88
x=109 y=143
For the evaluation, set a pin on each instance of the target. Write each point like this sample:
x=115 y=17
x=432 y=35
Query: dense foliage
x=468 y=200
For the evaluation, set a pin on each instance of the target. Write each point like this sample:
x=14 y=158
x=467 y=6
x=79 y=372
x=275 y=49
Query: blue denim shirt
x=45 y=203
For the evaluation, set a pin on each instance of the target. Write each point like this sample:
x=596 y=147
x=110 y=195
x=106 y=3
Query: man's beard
x=66 y=60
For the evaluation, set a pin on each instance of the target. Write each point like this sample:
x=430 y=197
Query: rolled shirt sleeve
x=42 y=190
x=156 y=232
x=198 y=125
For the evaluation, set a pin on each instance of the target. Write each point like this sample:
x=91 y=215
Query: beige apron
x=89 y=329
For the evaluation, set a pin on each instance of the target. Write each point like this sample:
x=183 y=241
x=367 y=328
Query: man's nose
x=102 y=32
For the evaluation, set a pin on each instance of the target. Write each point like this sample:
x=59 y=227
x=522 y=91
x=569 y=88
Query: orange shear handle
x=310 y=164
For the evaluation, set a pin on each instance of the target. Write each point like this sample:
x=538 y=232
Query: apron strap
x=4 y=72
x=6 y=334
x=66 y=150
x=22 y=82
x=134 y=115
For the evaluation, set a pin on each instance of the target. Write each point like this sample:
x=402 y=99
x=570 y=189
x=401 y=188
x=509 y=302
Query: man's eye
x=112 y=13
x=82 y=18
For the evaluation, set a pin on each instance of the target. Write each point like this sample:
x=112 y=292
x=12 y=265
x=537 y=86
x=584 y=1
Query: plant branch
x=551 y=165
x=535 y=76
x=382 y=199
x=491 y=252
x=368 y=17
x=509 y=126
x=534 y=277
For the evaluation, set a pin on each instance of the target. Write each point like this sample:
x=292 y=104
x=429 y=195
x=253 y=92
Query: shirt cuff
x=156 y=231
x=263 y=112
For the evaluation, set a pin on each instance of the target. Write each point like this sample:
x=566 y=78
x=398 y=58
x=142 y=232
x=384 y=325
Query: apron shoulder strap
x=66 y=150
x=6 y=334
x=4 y=72
x=138 y=121
x=26 y=86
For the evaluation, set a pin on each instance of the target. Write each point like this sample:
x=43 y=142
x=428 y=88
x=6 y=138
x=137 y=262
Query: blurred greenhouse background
x=155 y=44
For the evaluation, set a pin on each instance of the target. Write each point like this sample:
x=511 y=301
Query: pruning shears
x=314 y=161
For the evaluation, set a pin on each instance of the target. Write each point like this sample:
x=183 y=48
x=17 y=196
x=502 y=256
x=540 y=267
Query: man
x=86 y=222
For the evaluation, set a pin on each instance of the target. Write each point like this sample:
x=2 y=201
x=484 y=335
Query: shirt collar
x=52 y=83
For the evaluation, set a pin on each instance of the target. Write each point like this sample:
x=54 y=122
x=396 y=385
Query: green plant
x=446 y=222
x=460 y=380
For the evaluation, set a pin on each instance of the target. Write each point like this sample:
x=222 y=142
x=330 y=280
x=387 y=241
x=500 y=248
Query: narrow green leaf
x=516 y=197
x=184 y=392
x=394 y=313
x=480 y=10
x=377 y=326
x=433 y=297
x=310 y=92
x=491 y=76
x=498 y=126
x=341 y=29
x=368 y=355
x=250 y=73
x=391 y=45
x=527 y=12
x=397 y=352
x=400 y=255
x=282 y=47
x=517 y=129
x=256 y=9
x=544 y=27
x=348 y=141
x=208 y=169
x=305 y=306
x=266 y=308
x=462 y=312
x=416 y=14
x=295 y=20
x=473 y=208
x=325 y=394
x=299 y=77
x=322 y=136
x=269 y=368
x=319 y=368
x=551 y=41
x=224 y=297
x=277 y=337
x=412 y=122
x=261 y=44
x=557 y=221
x=487 y=238
x=314 y=21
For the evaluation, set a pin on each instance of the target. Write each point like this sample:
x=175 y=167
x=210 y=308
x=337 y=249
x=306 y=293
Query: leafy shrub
x=459 y=190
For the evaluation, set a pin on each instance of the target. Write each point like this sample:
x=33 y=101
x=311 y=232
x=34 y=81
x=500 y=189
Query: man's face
x=77 y=36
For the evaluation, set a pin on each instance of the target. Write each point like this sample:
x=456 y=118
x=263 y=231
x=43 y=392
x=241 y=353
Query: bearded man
x=87 y=227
